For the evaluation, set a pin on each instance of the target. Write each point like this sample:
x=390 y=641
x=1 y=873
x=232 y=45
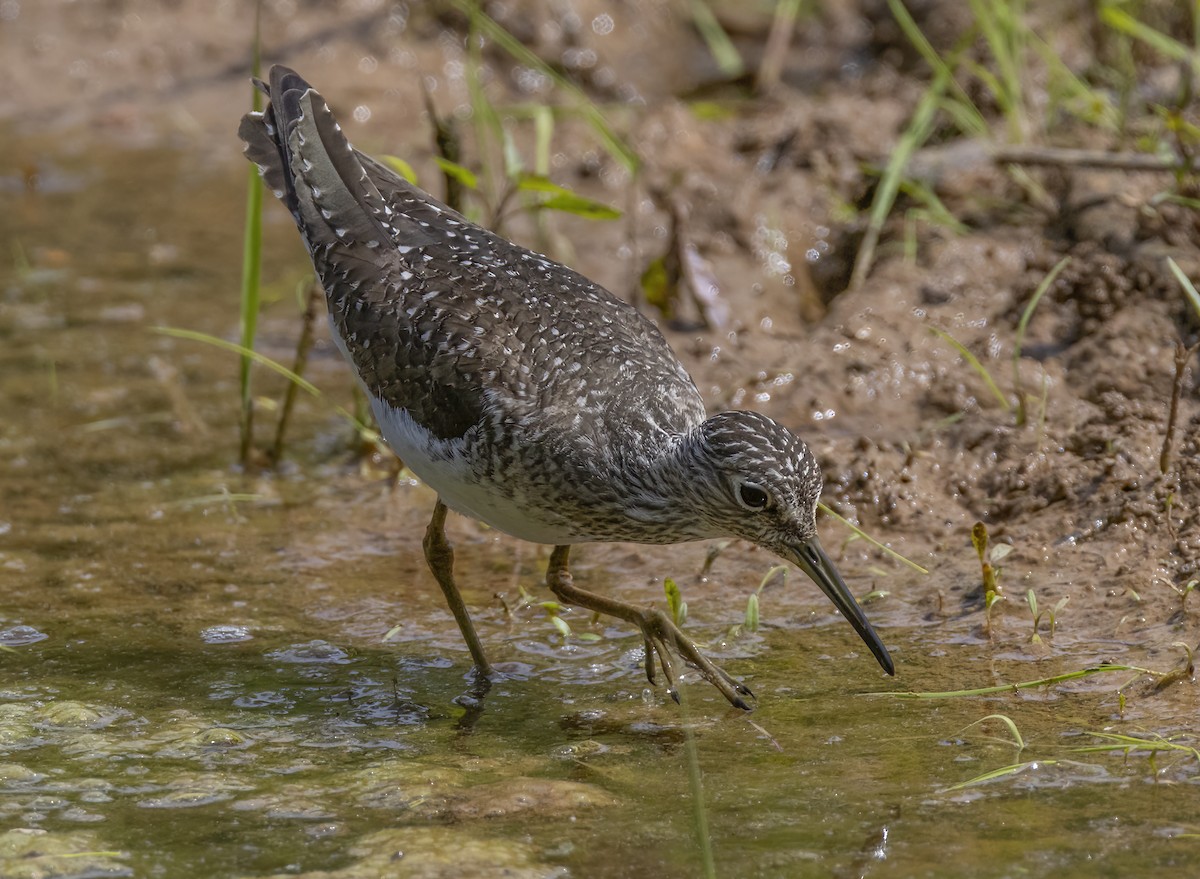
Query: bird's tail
x=306 y=161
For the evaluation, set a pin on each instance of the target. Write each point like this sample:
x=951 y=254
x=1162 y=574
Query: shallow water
x=196 y=681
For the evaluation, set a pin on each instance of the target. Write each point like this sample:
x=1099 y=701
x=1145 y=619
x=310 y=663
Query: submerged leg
x=440 y=558
x=661 y=635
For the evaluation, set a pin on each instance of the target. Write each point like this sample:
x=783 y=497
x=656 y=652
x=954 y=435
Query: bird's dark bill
x=811 y=559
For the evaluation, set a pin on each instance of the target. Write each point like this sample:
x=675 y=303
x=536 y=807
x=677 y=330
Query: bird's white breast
x=443 y=466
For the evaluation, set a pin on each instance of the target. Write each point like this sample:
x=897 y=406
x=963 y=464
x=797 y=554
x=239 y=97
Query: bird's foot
x=663 y=637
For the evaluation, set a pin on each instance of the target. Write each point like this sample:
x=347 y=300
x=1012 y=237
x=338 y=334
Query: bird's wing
x=443 y=318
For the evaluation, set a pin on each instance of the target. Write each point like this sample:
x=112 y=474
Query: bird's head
x=766 y=491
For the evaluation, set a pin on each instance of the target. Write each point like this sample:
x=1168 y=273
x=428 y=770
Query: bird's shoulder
x=460 y=319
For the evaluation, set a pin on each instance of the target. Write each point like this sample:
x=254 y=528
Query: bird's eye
x=753 y=496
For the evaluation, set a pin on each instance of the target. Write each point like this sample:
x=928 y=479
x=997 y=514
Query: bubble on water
x=531 y=81
x=578 y=59
x=311 y=652
x=264 y=699
x=225 y=634
x=19 y=636
x=770 y=247
x=185 y=799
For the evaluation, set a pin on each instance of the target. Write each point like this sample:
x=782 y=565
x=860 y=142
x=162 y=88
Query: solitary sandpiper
x=525 y=395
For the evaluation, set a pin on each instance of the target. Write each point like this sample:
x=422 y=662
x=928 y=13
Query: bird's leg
x=440 y=557
x=661 y=635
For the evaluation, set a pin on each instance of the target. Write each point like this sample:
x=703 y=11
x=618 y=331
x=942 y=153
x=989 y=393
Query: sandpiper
x=525 y=395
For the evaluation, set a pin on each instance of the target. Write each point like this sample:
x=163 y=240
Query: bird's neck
x=666 y=487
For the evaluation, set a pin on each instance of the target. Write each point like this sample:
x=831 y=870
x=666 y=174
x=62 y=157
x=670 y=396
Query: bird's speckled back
x=453 y=324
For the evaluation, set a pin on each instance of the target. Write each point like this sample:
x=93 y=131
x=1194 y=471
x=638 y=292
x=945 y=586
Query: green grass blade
x=401 y=167
x=540 y=183
x=484 y=118
x=562 y=199
x=1081 y=100
x=250 y=303
x=871 y=540
x=514 y=165
x=1002 y=29
x=1176 y=198
x=719 y=45
x=776 y=49
x=250 y=295
x=1128 y=744
x=990 y=81
x=976 y=365
x=775 y=572
x=461 y=173
x=696 y=790
x=543 y=128
x=580 y=206
x=1122 y=21
x=1189 y=289
x=935 y=211
x=675 y=601
x=919 y=129
x=1027 y=314
x=1019 y=342
x=1102 y=668
x=246 y=353
x=972 y=120
x=262 y=359
x=1002 y=772
x=613 y=143
x=750 y=620
x=1018 y=739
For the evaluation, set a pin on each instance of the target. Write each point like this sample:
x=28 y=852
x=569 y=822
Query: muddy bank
x=200 y=623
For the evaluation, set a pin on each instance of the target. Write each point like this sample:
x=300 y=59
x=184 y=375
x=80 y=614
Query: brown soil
x=775 y=190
